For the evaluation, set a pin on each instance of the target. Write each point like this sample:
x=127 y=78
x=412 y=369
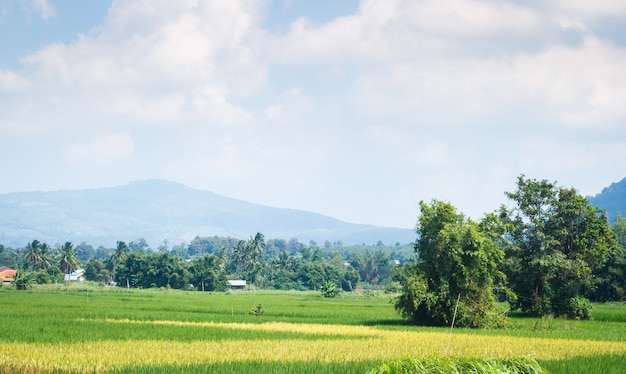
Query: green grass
x=79 y=313
x=445 y=365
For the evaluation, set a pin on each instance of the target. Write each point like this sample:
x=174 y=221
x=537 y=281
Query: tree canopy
x=557 y=239
x=456 y=271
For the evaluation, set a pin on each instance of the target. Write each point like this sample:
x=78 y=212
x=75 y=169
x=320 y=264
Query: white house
x=236 y=284
x=78 y=275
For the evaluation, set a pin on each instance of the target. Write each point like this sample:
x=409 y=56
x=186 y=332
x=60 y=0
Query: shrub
x=579 y=308
x=330 y=289
x=23 y=280
x=257 y=310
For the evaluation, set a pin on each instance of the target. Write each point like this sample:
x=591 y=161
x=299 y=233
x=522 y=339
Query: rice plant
x=446 y=365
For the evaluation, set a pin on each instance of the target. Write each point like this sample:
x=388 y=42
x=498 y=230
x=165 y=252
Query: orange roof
x=7 y=275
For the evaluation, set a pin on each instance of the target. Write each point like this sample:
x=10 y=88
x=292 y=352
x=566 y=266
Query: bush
x=257 y=310
x=579 y=308
x=23 y=280
x=330 y=289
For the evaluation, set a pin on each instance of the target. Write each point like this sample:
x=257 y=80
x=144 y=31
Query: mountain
x=156 y=210
x=612 y=198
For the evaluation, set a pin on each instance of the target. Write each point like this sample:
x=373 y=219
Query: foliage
x=579 y=308
x=207 y=274
x=444 y=365
x=95 y=270
x=373 y=267
x=330 y=289
x=557 y=240
x=143 y=270
x=454 y=275
x=46 y=276
x=67 y=258
x=611 y=277
x=245 y=259
x=121 y=251
x=38 y=255
x=257 y=310
x=23 y=280
x=10 y=258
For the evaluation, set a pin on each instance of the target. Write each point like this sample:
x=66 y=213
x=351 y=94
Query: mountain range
x=157 y=210
x=612 y=198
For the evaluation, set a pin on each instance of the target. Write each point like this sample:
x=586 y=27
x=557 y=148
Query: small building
x=7 y=274
x=237 y=284
x=76 y=276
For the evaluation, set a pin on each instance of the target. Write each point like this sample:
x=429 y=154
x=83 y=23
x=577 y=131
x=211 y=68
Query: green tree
x=32 y=255
x=140 y=269
x=246 y=257
x=96 y=271
x=23 y=280
x=207 y=273
x=373 y=267
x=611 y=277
x=121 y=252
x=557 y=240
x=67 y=258
x=46 y=256
x=456 y=271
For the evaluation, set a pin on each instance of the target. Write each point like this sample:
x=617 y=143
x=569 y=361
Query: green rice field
x=84 y=328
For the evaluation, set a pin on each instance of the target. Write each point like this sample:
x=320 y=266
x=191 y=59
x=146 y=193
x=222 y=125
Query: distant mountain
x=156 y=210
x=612 y=198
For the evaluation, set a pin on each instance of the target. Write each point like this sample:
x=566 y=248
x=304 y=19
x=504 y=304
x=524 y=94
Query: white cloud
x=155 y=60
x=587 y=9
x=12 y=82
x=435 y=99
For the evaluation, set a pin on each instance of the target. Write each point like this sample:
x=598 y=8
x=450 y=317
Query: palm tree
x=67 y=257
x=47 y=258
x=121 y=251
x=32 y=256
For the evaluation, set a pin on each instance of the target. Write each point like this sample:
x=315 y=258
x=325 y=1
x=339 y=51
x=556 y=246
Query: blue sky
x=353 y=109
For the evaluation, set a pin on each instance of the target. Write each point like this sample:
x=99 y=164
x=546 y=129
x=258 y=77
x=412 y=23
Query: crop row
x=337 y=343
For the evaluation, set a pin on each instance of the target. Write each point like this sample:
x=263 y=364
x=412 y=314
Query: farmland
x=86 y=328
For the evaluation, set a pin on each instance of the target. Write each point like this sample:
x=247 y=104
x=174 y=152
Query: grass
x=86 y=328
x=445 y=365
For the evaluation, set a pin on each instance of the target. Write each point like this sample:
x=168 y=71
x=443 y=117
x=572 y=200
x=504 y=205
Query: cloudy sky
x=353 y=109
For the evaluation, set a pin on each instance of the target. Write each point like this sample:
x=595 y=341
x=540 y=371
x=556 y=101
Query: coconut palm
x=121 y=251
x=67 y=258
x=47 y=257
x=32 y=256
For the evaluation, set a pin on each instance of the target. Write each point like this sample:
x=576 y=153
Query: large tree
x=245 y=258
x=557 y=240
x=207 y=273
x=32 y=255
x=38 y=255
x=611 y=277
x=67 y=258
x=455 y=273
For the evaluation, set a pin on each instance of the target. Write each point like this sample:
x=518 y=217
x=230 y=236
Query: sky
x=353 y=109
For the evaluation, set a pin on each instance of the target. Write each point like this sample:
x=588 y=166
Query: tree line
x=206 y=263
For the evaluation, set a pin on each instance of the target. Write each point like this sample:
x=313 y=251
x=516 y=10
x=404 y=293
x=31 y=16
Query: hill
x=612 y=198
x=156 y=210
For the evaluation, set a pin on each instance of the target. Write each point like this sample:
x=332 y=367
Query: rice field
x=110 y=330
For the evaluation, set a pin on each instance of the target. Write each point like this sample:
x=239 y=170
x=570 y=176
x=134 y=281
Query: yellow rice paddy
x=367 y=343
